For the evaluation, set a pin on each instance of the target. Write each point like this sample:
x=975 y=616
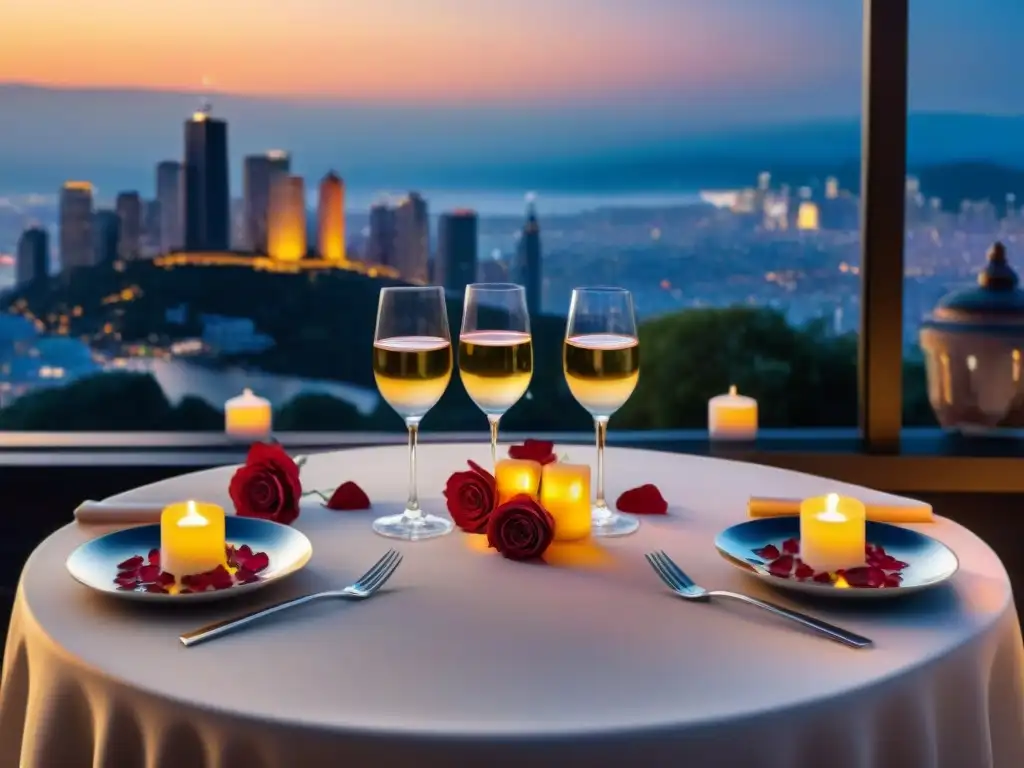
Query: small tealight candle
x=732 y=417
x=248 y=416
x=565 y=494
x=192 y=538
x=516 y=476
x=832 y=532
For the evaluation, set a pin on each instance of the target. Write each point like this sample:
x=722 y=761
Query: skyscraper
x=106 y=236
x=455 y=266
x=169 y=196
x=129 y=212
x=207 y=195
x=286 y=226
x=412 y=238
x=76 y=225
x=149 y=244
x=380 y=247
x=258 y=175
x=33 y=264
x=330 y=217
x=528 y=261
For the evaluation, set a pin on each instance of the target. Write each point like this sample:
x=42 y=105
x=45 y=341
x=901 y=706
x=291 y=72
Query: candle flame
x=832 y=513
x=732 y=390
x=192 y=518
x=832 y=503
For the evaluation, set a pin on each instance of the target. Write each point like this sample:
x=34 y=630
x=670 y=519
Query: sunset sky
x=372 y=85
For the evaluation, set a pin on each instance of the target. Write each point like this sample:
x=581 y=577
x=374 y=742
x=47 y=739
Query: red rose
x=267 y=485
x=521 y=529
x=471 y=496
x=541 y=451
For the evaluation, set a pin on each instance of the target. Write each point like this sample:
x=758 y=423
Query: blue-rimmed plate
x=929 y=562
x=95 y=562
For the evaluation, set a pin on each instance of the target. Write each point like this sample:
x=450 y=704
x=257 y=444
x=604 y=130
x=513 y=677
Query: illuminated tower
x=455 y=265
x=286 y=223
x=412 y=239
x=380 y=246
x=207 y=199
x=76 y=225
x=259 y=174
x=331 y=218
x=169 y=196
x=129 y=211
x=33 y=264
x=528 y=262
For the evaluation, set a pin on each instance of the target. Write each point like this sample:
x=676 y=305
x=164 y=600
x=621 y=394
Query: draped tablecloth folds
x=470 y=659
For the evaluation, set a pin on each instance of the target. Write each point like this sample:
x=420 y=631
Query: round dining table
x=468 y=659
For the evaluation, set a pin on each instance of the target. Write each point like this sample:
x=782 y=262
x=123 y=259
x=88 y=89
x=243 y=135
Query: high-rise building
x=412 y=239
x=455 y=265
x=286 y=226
x=380 y=246
x=528 y=260
x=258 y=175
x=129 y=211
x=831 y=188
x=330 y=218
x=169 y=196
x=33 y=264
x=149 y=246
x=106 y=236
x=76 y=225
x=207 y=200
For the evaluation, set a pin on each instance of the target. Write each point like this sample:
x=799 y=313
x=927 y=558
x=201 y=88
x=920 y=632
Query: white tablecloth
x=471 y=660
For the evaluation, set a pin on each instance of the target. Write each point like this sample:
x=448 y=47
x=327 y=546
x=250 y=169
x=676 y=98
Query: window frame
x=880 y=453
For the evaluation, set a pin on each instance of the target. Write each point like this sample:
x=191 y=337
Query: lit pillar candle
x=248 y=416
x=516 y=476
x=565 y=494
x=732 y=417
x=191 y=538
x=832 y=532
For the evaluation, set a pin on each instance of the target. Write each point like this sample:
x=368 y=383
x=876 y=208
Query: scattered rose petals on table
x=348 y=496
x=541 y=451
x=643 y=500
x=143 y=573
x=881 y=570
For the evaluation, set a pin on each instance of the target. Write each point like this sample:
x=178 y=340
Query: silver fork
x=365 y=586
x=683 y=586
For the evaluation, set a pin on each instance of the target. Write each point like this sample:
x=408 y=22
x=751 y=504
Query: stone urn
x=973 y=342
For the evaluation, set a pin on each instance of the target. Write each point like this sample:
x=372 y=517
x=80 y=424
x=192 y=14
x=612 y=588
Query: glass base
x=615 y=524
x=410 y=528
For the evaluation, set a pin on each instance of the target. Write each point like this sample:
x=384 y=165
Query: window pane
x=192 y=211
x=963 y=195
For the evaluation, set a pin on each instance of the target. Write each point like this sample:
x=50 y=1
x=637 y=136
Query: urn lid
x=997 y=299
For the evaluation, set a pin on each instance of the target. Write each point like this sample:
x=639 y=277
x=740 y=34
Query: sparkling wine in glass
x=495 y=350
x=412 y=364
x=601 y=358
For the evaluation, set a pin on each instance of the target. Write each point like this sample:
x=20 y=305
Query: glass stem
x=493 y=420
x=412 y=508
x=601 y=429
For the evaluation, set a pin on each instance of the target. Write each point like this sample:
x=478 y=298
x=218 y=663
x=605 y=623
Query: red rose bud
x=348 y=496
x=471 y=497
x=267 y=485
x=520 y=529
x=645 y=500
x=541 y=451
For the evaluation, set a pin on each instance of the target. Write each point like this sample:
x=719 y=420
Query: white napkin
x=118 y=512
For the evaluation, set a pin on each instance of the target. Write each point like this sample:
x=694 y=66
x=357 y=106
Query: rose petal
x=220 y=578
x=257 y=563
x=243 y=576
x=230 y=552
x=130 y=563
x=771 y=552
x=823 y=578
x=541 y=451
x=166 y=578
x=791 y=546
x=892 y=580
x=160 y=588
x=782 y=566
x=865 y=577
x=126 y=580
x=803 y=571
x=643 y=500
x=154 y=557
x=149 y=574
x=348 y=496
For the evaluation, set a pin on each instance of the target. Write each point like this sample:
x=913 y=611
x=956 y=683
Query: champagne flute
x=412 y=364
x=495 y=350
x=601 y=357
